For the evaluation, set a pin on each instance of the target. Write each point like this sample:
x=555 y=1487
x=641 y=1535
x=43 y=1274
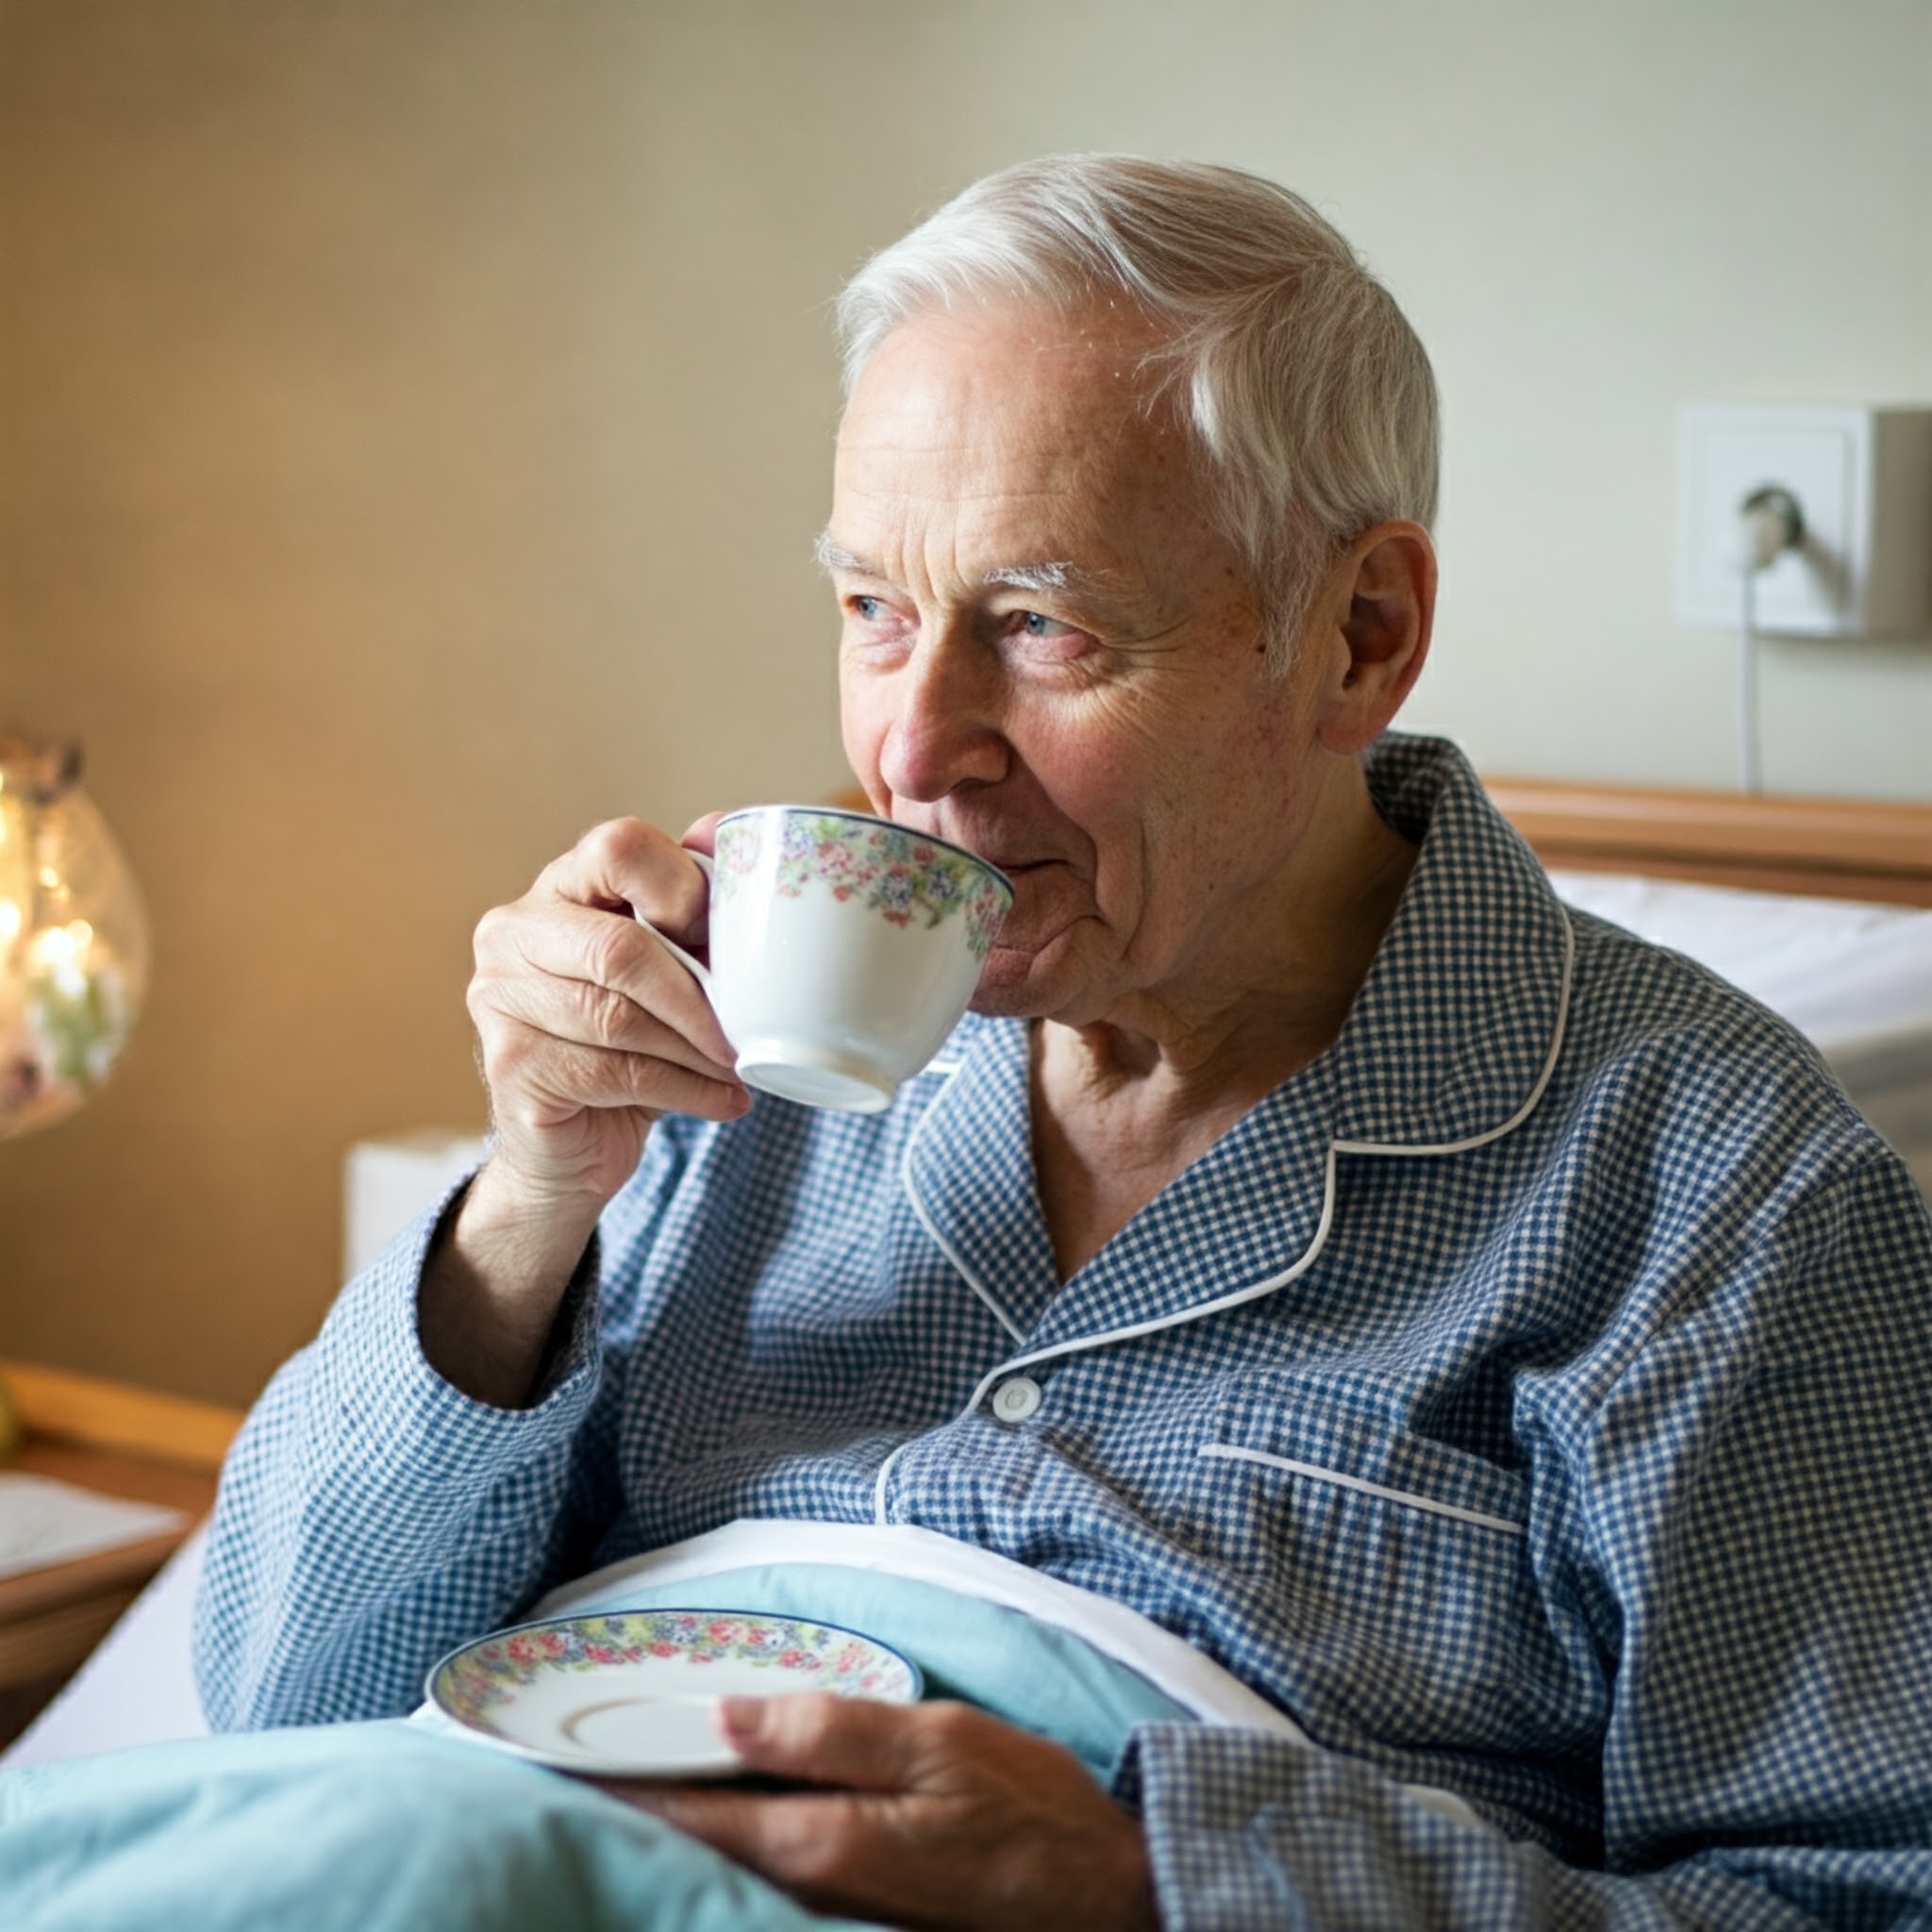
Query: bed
x=1819 y=907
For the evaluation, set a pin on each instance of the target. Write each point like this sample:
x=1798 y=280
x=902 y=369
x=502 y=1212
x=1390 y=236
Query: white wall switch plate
x=1863 y=480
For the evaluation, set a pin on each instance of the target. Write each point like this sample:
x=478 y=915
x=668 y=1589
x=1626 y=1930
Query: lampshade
x=72 y=938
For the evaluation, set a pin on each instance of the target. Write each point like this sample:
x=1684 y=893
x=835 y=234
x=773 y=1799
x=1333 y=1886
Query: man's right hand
x=586 y=1030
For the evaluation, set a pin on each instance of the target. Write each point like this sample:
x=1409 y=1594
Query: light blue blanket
x=386 y=1827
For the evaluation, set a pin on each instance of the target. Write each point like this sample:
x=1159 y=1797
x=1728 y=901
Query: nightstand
x=121 y=1441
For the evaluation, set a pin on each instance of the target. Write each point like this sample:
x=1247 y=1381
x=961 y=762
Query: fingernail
x=740 y=1101
x=742 y=1717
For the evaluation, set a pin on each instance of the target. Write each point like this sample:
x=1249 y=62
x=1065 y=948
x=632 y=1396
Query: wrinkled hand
x=587 y=1028
x=933 y=1815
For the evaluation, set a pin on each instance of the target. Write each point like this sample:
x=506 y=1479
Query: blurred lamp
x=72 y=940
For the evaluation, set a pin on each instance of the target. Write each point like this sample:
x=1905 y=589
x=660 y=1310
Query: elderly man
x=1494 y=1343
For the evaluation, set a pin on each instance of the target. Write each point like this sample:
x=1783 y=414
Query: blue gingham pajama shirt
x=1532 y=1397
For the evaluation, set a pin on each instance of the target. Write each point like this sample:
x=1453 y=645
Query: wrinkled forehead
x=993 y=359
x=1005 y=411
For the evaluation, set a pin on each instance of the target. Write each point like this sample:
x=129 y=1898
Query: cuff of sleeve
x=382 y=1397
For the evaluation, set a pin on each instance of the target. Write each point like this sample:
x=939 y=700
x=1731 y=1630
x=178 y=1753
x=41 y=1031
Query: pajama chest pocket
x=1394 y=1568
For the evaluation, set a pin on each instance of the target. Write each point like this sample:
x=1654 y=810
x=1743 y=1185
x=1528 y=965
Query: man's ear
x=1384 y=597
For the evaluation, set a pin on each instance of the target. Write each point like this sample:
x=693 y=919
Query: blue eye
x=1037 y=627
x=866 y=608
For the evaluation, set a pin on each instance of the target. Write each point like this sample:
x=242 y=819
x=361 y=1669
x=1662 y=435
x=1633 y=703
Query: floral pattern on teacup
x=818 y=1657
x=893 y=871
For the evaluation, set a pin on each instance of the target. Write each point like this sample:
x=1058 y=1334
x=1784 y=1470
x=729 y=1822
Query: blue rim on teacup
x=906 y=876
x=872 y=818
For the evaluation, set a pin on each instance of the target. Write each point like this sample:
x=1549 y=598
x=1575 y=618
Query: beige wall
x=413 y=418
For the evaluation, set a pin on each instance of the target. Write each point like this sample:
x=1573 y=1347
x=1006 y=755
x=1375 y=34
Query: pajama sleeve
x=372 y=1516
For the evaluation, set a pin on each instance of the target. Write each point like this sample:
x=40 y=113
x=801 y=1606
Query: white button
x=1014 y=1401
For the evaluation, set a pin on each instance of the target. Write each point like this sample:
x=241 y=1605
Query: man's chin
x=1017 y=984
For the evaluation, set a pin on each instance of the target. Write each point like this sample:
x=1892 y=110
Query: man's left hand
x=926 y=1815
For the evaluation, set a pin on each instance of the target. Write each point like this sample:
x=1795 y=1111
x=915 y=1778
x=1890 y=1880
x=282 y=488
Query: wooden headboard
x=1829 y=847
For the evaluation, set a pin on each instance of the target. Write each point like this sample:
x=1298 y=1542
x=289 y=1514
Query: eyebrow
x=1036 y=576
x=832 y=555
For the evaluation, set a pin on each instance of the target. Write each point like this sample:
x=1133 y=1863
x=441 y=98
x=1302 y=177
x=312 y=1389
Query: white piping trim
x=1535 y=1092
x=1254 y=1292
x=878 y=1488
x=939 y=1240
x=1228 y=1453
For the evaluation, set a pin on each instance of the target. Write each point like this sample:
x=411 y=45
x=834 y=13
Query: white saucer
x=634 y=1693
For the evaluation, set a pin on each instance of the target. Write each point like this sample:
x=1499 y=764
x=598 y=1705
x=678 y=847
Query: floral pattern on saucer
x=813 y=1656
x=895 y=872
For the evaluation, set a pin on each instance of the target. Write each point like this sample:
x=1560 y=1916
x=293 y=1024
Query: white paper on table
x=45 y=1522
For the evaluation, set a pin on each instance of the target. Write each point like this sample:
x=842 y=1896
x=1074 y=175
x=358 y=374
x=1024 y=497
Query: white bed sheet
x=138 y=1688
x=1856 y=978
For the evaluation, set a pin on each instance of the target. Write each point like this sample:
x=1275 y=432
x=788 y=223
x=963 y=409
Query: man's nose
x=948 y=726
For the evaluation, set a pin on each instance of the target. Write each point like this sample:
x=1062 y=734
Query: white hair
x=1305 y=386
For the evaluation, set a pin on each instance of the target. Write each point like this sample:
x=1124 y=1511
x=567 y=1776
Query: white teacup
x=844 y=949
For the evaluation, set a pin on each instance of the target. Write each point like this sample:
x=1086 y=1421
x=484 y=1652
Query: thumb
x=861 y=1743
x=701 y=835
